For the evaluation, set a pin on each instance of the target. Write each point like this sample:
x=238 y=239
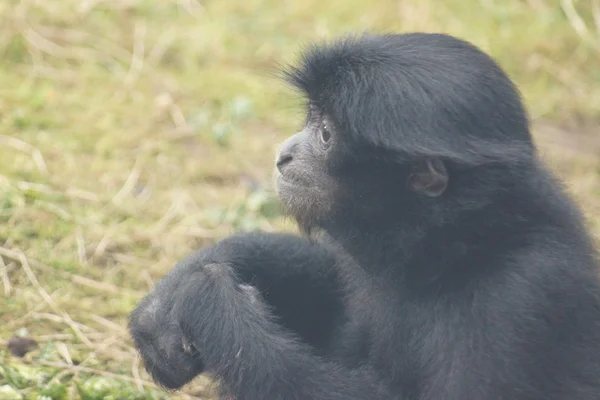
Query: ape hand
x=174 y=325
x=169 y=356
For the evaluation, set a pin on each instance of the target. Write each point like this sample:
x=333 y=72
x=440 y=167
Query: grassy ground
x=134 y=131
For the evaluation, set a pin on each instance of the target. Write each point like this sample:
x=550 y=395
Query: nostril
x=283 y=159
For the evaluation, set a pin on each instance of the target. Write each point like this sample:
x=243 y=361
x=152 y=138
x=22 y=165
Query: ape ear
x=429 y=177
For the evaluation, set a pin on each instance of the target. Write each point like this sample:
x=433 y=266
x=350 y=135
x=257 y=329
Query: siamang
x=439 y=257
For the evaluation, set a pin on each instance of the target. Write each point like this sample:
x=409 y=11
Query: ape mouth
x=282 y=181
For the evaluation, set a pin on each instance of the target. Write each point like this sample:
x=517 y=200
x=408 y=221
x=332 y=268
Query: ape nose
x=287 y=149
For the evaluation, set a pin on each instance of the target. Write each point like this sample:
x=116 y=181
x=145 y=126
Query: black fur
x=485 y=288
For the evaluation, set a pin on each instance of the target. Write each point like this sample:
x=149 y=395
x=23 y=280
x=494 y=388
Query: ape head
x=394 y=124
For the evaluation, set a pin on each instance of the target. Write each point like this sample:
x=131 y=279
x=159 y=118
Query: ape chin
x=450 y=264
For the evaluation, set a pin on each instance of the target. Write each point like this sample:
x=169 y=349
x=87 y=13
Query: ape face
x=322 y=176
x=305 y=181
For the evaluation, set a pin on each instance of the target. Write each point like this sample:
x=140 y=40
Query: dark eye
x=325 y=133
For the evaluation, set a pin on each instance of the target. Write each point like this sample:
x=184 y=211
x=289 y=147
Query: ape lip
x=282 y=180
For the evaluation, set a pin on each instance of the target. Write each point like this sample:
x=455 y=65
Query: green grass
x=132 y=132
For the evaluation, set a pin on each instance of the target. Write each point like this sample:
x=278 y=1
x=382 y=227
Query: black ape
x=444 y=260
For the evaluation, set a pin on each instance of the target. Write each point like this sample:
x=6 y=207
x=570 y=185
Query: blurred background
x=134 y=131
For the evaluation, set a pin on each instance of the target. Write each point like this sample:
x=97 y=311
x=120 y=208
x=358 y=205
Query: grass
x=132 y=132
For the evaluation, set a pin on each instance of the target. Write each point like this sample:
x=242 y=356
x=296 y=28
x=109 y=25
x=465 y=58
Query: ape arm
x=295 y=277
x=296 y=280
x=250 y=354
